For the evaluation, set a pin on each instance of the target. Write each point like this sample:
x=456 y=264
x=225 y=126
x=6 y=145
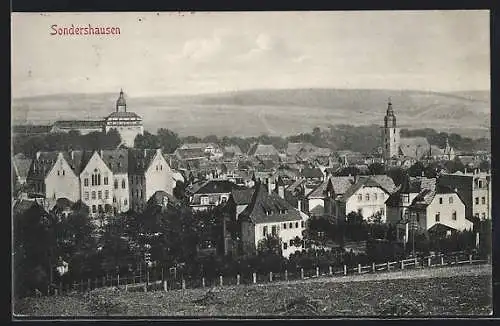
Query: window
x=125 y=202
x=116 y=184
x=141 y=194
x=285 y=245
x=418 y=217
x=367 y=197
x=284 y=226
x=440 y=200
x=123 y=184
x=99 y=194
x=297 y=224
x=476 y=215
x=101 y=210
x=375 y=196
x=437 y=217
x=86 y=195
x=114 y=199
x=406 y=198
x=454 y=216
x=106 y=194
x=450 y=200
x=291 y=225
x=291 y=242
x=157 y=168
x=93 y=194
x=264 y=231
x=360 y=197
x=161 y=167
x=58 y=173
x=273 y=230
x=477 y=200
x=63 y=172
x=86 y=182
x=94 y=210
x=483 y=200
x=302 y=224
x=483 y=215
x=480 y=184
x=106 y=181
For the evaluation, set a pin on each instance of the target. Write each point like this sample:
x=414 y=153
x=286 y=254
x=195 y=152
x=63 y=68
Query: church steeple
x=390 y=118
x=121 y=104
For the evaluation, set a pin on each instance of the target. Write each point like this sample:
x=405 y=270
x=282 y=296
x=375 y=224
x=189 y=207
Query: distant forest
x=365 y=139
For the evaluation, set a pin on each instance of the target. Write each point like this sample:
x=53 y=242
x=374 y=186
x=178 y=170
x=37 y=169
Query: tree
x=147 y=140
x=168 y=140
x=416 y=169
x=270 y=245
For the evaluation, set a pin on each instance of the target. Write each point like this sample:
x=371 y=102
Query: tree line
x=365 y=139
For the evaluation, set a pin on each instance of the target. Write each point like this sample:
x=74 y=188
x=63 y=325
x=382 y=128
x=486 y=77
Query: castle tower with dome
x=128 y=124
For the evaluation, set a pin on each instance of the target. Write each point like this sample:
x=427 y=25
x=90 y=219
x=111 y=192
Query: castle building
x=390 y=135
x=128 y=124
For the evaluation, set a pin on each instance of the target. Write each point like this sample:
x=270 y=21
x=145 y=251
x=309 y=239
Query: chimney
x=269 y=186
x=465 y=170
x=423 y=174
x=299 y=205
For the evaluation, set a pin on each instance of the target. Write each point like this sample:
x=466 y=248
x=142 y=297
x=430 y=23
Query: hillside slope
x=275 y=112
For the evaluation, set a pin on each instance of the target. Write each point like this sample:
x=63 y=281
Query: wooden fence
x=166 y=283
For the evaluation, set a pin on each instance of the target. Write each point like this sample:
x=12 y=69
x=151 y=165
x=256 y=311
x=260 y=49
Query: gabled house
x=366 y=197
x=117 y=162
x=20 y=168
x=269 y=214
x=238 y=201
x=319 y=202
x=97 y=186
x=440 y=206
x=210 y=194
x=52 y=176
x=264 y=152
x=149 y=172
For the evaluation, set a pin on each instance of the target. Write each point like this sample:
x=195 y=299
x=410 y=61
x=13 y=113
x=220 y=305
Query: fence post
x=162 y=277
x=126 y=287
x=373 y=267
x=388 y=266
x=317 y=271
x=402 y=264
x=301 y=273
x=145 y=288
x=330 y=270
x=286 y=275
x=56 y=292
x=75 y=286
x=118 y=280
x=89 y=285
x=221 y=281
x=428 y=261
x=470 y=259
x=165 y=286
x=60 y=287
x=345 y=270
x=359 y=268
x=489 y=259
x=238 y=279
x=107 y=278
x=254 y=278
x=270 y=276
x=416 y=262
x=442 y=260
x=133 y=279
x=203 y=282
x=183 y=284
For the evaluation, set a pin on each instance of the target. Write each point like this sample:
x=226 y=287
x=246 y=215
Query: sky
x=170 y=53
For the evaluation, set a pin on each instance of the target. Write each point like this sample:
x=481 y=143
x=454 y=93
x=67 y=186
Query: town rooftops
x=414 y=147
x=321 y=189
x=31 y=129
x=262 y=150
x=312 y=173
x=268 y=208
x=190 y=153
x=341 y=184
x=215 y=187
x=140 y=159
x=116 y=160
x=161 y=198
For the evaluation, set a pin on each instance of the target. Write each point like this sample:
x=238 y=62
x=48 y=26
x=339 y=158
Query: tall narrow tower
x=390 y=134
x=121 y=104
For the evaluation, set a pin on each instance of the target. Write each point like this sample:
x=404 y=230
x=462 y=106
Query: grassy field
x=459 y=291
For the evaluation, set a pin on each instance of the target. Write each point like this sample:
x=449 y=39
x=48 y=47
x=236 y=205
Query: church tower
x=390 y=134
x=121 y=104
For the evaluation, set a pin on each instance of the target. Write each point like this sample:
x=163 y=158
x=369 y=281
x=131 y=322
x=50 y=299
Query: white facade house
x=270 y=215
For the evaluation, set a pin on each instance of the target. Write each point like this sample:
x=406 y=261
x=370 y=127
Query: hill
x=442 y=291
x=275 y=112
